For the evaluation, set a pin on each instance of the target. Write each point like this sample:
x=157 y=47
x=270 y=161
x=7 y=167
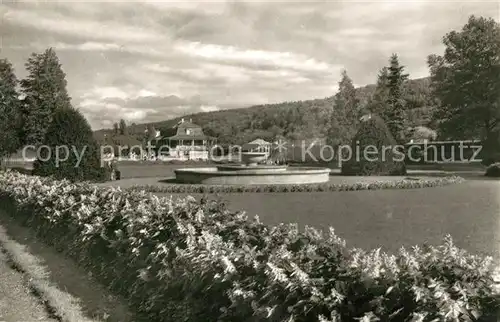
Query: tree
x=10 y=113
x=345 y=112
x=70 y=129
x=378 y=102
x=377 y=154
x=123 y=127
x=150 y=131
x=116 y=128
x=466 y=81
x=45 y=92
x=421 y=133
x=394 y=113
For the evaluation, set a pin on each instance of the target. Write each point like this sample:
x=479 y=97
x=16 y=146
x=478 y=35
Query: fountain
x=249 y=171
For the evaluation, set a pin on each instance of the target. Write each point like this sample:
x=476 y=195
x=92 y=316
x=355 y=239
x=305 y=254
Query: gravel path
x=17 y=303
x=97 y=302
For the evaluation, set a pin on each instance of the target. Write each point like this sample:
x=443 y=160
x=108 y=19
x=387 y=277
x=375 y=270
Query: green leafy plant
x=183 y=259
x=406 y=183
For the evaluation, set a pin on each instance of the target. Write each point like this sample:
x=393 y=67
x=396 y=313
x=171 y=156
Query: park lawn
x=469 y=211
x=137 y=169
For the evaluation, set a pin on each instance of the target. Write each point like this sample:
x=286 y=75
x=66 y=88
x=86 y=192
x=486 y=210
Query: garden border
x=406 y=183
x=197 y=260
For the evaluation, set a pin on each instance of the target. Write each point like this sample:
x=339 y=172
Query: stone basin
x=253 y=158
x=241 y=168
x=250 y=175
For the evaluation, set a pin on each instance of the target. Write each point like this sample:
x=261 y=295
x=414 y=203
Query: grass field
x=470 y=211
x=147 y=169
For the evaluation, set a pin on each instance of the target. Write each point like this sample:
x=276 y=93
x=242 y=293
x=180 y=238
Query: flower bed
x=407 y=183
x=183 y=260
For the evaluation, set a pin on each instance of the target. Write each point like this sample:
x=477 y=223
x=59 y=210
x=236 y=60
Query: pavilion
x=189 y=142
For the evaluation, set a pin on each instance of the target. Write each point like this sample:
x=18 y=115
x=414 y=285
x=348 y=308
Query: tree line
x=460 y=100
x=37 y=111
x=27 y=106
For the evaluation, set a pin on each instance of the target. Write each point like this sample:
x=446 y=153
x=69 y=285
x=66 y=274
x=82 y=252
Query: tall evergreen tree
x=116 y=128
x=345 y=111
x=45 y=92
x=394 y=113
x=123 y=127
x=378 y=102
x=10 y=111
x=466 y=81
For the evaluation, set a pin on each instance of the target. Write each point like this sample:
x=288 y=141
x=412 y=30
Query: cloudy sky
x=149 y=61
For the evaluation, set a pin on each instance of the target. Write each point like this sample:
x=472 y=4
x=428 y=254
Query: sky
x=152 y=61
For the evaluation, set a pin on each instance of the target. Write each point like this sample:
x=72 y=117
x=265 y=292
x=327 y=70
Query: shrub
x=493 y=170
x=491 y=149
x=196 y=261
x=70 y=129
x=490 y=158
x=406 y=183
x=373 y=133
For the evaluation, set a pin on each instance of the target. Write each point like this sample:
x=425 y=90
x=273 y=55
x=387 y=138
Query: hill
x=292 y=120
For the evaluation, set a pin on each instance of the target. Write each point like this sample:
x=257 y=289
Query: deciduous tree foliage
x=45 y=92
x=69 y=128
x=10 y=111
x=466 y=80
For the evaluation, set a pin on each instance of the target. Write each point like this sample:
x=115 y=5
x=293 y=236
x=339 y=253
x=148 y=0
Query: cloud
x=79 y=28
x=231 y=54
x=154 y=60
x=109 y=105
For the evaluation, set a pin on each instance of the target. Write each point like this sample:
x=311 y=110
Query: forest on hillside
x=289 y=120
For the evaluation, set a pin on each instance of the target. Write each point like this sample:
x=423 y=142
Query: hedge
x=184 y=260
x=373 y=132
x=406 y=183
x=493 y=170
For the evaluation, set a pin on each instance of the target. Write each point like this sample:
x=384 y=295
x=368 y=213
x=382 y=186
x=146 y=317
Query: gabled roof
x=189 y=137
x=258 y=142
x=186 y=125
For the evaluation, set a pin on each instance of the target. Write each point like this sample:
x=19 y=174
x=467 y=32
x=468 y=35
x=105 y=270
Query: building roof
x=189 y=137
x=186 y=125
x=259 y=142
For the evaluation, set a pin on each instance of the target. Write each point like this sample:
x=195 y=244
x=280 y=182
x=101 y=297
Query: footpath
x=37 y=283
x=17 y=302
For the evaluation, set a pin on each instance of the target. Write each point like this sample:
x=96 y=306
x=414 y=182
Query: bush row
x=407 y=183
x=184 y=260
